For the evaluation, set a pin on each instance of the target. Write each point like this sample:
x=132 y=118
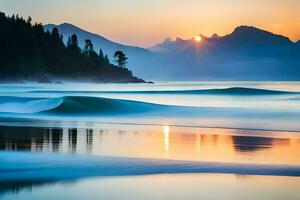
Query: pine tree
x=74 y=40
x=121 y=58
x=69 y=43
x=29 y=53
x=101 y=54
x=88 y=47
x=106 y=59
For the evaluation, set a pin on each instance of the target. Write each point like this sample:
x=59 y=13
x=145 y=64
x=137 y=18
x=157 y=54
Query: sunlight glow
x=198 y=38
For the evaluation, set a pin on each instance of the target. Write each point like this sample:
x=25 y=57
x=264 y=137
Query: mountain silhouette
x=99 y=41
x=242 y=36
x=136 y=55
x=248 y=53
x=250 y=35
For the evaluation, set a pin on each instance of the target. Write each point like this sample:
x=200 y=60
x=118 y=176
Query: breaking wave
x=73 y=105
x=28 y=105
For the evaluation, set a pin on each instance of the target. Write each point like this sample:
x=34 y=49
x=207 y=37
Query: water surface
x=142 y=141
x=161 y=142
x=161 y=187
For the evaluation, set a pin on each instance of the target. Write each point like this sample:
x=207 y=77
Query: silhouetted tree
x=101 y=54
x=88 y=47
x=29 y=19
x=69 y=42
x=55 y=34
x=121 y=58
x=106 y=59
x=27 y=52
x=74 y=40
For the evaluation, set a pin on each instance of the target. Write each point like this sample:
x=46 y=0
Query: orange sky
x=146 y=22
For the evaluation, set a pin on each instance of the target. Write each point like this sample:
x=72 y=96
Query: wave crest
x=22 y=105
x=97 y=105
x=73 y=105
x=221 y=91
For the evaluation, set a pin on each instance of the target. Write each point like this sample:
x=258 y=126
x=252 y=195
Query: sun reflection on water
x=200 y=144
x=166 y=139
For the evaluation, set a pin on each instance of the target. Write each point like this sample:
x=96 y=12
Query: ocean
x=167 y=140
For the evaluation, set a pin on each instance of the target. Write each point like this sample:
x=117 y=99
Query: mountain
x=249 y=35
x=248 y=53
x=171 y=46
x=136 y=55
x=99 y=41
x=242 y=36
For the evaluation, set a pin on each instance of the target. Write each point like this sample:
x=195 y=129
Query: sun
x=198 y=38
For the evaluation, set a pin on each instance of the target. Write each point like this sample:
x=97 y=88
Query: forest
x=28 y=53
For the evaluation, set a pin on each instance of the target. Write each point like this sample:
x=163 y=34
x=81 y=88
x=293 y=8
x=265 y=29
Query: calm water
x=158 y=187
x=192 y=144
x=253 y=123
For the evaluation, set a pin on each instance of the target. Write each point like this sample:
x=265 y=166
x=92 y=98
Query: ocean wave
x=71 y=101
x=82 y=108
x=73 y=105
x=20 y=166
x=240 y=91
x=23 y=105
x=98 y=105
x=223 y=91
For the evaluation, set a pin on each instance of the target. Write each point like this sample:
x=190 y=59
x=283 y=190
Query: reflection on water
x=72 y=138
x=162 y=187
x=166 y=139
x=249 y=144
x=220 y=145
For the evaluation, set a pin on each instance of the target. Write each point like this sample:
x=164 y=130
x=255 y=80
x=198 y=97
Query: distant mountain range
x=248 y=53
x=241 y=37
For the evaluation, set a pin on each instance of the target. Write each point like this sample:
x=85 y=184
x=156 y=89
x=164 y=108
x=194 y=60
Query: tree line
x=27 y=52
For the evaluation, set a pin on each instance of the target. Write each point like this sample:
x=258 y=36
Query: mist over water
x=118 y=131
x=248 y=105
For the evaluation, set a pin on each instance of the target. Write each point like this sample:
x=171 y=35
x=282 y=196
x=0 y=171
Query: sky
x=147 y=22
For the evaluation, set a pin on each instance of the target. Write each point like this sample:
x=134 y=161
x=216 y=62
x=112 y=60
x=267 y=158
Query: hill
x=28 y=53
x=140 y=59
x=99 y=41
